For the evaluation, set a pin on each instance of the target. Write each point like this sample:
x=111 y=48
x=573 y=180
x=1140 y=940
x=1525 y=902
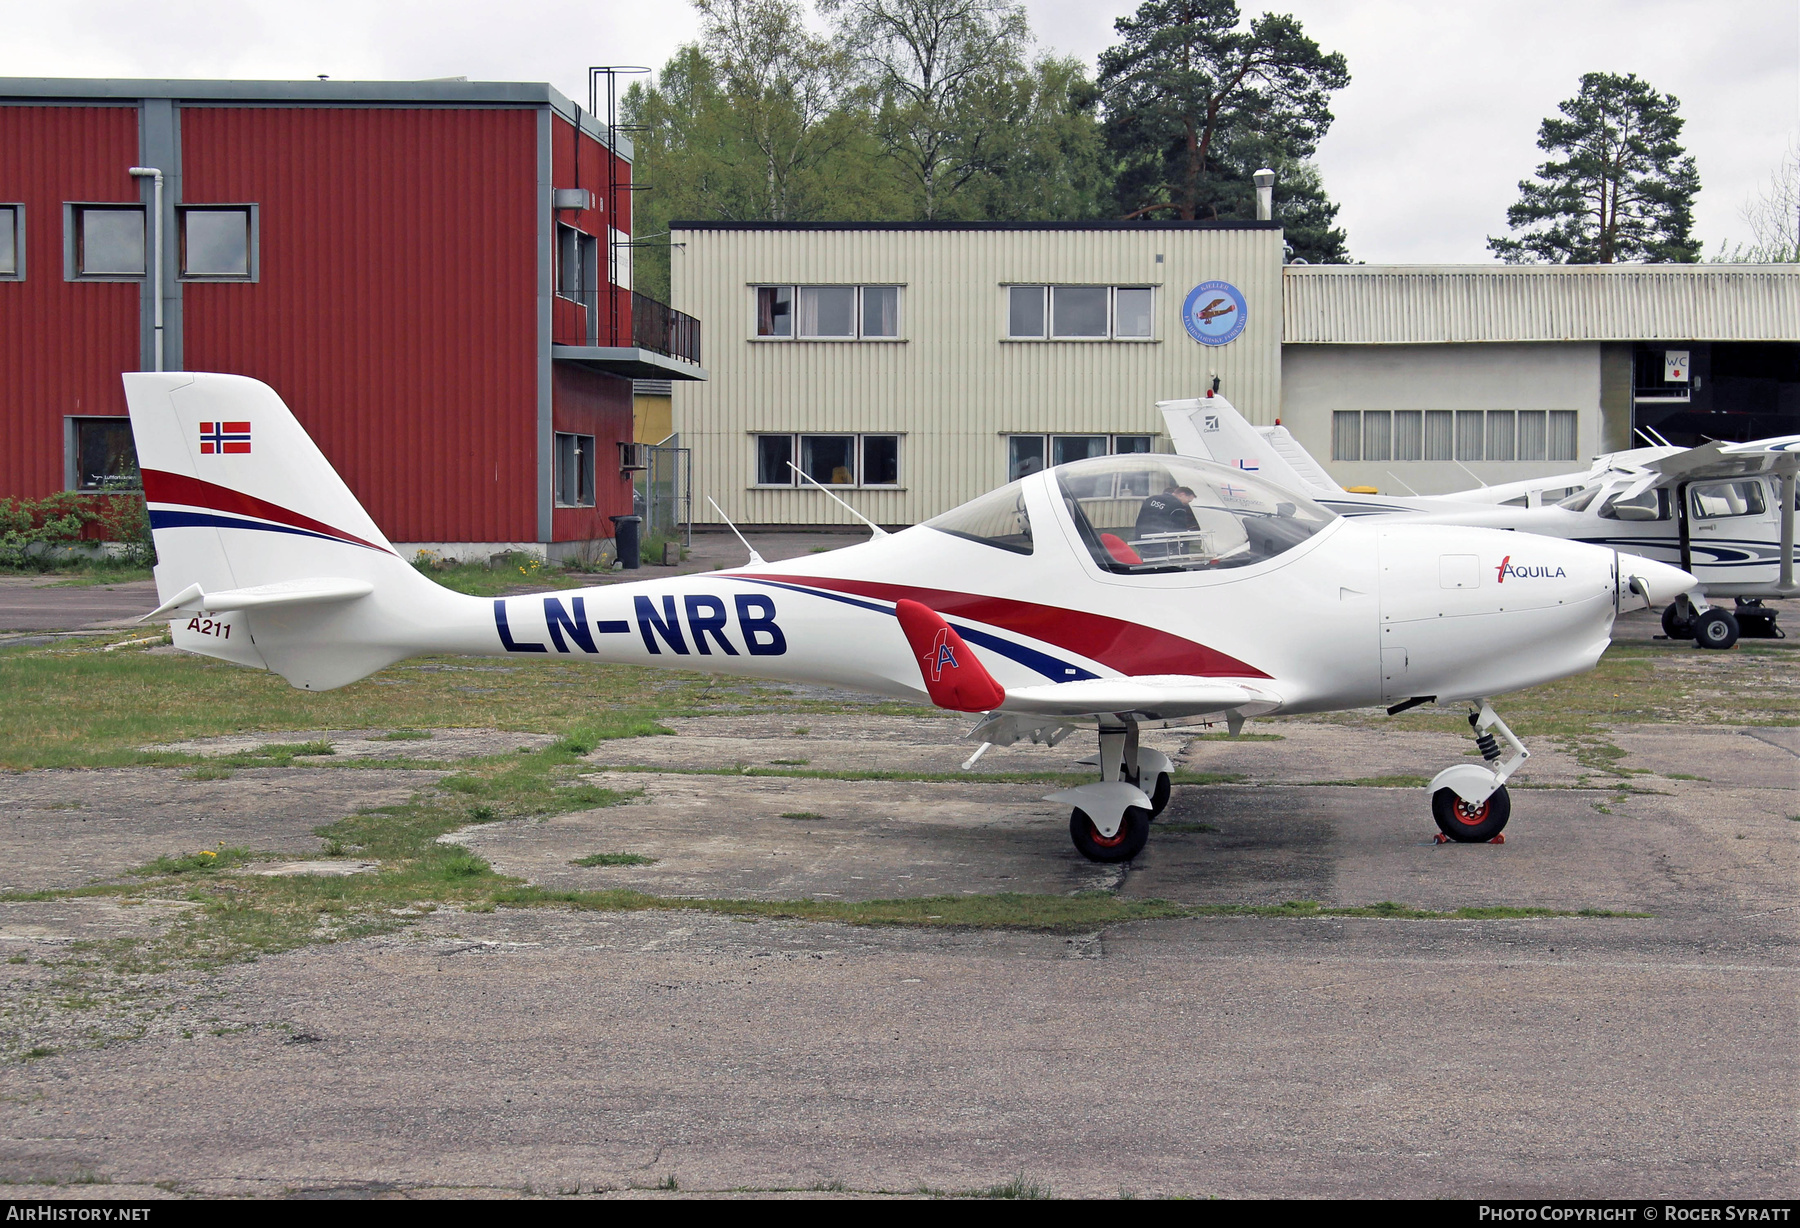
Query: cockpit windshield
x=1151 y=513
x=997 y=518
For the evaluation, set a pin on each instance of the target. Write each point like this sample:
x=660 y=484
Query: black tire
x=1716 y=629
x=1674 y=625
x=1126 y=843
x=1159 y=796
x=1468 y=824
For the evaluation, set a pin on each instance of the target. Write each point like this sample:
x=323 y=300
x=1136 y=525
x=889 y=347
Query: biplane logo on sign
x=1214 y=312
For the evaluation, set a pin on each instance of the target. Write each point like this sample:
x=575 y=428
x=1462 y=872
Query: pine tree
x=1195 y=102
x=1622 y=190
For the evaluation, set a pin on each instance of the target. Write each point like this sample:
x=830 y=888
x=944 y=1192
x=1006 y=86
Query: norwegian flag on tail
x=224 y=437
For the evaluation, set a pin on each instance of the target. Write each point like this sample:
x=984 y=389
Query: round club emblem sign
x=1214 y=312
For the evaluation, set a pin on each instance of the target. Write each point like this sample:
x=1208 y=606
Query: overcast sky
x=1435 y=130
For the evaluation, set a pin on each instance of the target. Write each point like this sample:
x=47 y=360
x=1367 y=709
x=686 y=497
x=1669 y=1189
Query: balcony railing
x=659 y=327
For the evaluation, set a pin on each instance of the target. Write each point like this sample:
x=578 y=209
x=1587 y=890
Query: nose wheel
x=1469 y=802
x=1471 y=822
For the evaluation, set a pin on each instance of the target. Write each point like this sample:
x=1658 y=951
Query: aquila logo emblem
x=941 y=655
x=1534 y=572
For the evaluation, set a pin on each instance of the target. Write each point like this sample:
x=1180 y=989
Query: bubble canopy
x=1149 y=513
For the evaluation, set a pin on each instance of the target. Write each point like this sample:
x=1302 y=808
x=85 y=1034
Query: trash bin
x=625 y=538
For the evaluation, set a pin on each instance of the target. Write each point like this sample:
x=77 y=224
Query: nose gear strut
x=1470 y=802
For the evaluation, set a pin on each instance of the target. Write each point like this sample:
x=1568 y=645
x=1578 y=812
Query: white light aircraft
x=1070 y=599
x=1723 y=511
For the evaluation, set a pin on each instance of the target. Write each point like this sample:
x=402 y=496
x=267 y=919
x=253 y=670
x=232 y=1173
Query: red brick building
x=435 y=276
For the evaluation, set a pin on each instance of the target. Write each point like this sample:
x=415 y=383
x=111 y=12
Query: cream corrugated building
x=913 y=366
x=898 y=361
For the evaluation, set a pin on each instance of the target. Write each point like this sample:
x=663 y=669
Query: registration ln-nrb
x=1079 y=597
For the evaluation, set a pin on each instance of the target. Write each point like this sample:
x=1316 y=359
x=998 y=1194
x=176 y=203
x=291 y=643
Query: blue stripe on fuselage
x=1050 y=667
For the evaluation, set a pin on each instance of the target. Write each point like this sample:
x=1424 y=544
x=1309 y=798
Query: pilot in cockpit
x=1166 y=513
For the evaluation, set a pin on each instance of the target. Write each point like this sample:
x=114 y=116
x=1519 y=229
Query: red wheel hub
x=1106 y=842
x=1471 y=815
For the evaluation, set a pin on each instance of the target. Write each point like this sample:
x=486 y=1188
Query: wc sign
x=1675 y=366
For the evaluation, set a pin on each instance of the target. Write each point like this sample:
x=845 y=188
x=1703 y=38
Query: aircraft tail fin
x=1211 y=428
x=260 y=540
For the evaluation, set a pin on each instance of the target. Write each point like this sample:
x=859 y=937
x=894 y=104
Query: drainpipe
x=151 y=172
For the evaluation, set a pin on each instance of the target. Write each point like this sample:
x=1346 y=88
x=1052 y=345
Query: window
x=1464 y=435
x=1409 y=434
x=881 y=311
x=1131 y=311
x=577 y=269
x=829 y=460
x=104 y=454
x=1728 y=499
x=1646 y=505
x=12 y=242
x=216 y=243
x=109 y=240
x=1080 y=313
x=1438 y=431
x=1027 y=454
x=621 y=260
x=881 y=460
x=828 y=313
x=574 y=470
x=997 y=518
x=1025 y=311
x=1378 y=436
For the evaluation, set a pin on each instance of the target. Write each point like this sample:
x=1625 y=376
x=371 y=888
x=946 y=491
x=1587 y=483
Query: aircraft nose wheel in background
x=1122 y=845
x=1471 y=824
x=1716 y=629
x=1674 y=625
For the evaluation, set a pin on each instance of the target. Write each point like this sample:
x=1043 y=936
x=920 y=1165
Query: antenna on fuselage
x=879 y=531
x=755 y=558
x=1469 y=471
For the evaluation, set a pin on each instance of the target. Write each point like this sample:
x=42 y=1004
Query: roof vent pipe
x=1265 y=194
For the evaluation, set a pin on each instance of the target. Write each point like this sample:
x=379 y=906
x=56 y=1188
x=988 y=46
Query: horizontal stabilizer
x=1163 y=696
x=263 y=596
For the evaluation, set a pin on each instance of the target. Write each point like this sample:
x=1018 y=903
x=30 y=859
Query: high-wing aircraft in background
x=1110 y=594
x=1723 y=511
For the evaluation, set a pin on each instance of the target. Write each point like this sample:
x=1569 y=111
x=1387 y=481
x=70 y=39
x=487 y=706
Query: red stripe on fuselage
x=163 y=487
x=1131 y=648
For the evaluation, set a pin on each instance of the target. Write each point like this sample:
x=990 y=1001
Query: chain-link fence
x=665 y=487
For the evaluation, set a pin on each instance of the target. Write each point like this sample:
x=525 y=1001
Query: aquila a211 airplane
x=1722 y=511
x=1049 y=605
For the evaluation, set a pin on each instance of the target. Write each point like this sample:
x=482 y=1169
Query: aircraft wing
x=1727 y=460
x=1159 y=697
x=955 y=679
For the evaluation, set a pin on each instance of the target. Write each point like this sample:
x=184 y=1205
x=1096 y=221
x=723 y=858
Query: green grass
x=75 y=705
x=402 y=735
x=614 y=859
x=806 y=815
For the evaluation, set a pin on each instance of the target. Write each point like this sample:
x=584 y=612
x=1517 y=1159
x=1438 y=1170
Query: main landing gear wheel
x=1159 y=796
x=1122 y=845
x=1159 y=792
x=1467 y=824
x=1716 y=629
x=1674 y=625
